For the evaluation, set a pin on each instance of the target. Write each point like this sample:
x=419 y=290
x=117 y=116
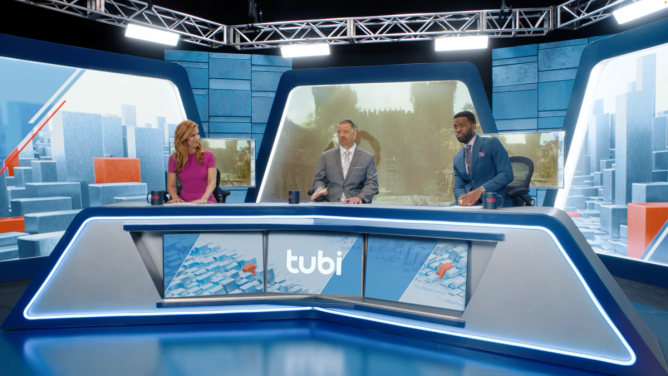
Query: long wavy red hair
x=181 y=135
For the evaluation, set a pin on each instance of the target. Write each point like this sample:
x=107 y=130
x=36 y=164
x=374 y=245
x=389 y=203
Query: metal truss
x=123 y=12
x=395 y=28
x=498 y=23
x=576 y=14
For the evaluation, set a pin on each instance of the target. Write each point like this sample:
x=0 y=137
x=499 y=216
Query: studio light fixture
x=461 y=43
x=639 y=9
x=301 y=50
x=151 y=34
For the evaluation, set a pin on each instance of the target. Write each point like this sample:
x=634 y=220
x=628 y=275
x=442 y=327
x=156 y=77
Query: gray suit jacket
x=362 y=179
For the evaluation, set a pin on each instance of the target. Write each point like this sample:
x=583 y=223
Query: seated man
x=482 y=165
x=346 y=173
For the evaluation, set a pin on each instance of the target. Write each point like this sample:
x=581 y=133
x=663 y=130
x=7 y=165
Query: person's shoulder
x=329 y=152
x=208 y=154
x=364 y=152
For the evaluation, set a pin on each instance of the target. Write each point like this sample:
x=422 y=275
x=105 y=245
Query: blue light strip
x=605 y=316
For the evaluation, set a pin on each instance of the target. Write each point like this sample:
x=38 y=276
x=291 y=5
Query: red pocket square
x=481 y=154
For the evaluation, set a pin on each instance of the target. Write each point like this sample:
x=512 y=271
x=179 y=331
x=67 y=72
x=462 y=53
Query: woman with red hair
x=194 y=166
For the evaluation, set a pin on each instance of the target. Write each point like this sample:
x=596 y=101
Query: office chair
x=518 y=189
x=219 y=194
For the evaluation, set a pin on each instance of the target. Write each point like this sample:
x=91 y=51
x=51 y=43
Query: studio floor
x=276 y=348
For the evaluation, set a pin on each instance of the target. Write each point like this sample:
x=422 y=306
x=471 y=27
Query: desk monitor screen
x=235 y=159
x=423 y=271
x=315 y=263
x=212 y=264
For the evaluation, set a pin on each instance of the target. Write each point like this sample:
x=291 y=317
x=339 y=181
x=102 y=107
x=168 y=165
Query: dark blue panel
x=271 y=60
x=199 y=78
x=227 y=84
x=554 y=95
x=565 y=43
x=51 y=53
x=518 y=74
x=560 y=58
x=518 y=60
x=258 y=127
x=230 y=68
x=517 y=125
x=513 y=52
x=202 y=101
x=218 y=127
x=266 y=81
x=13 y=270
x=499 y=89
x=515 y=104
x=261 y=108
x=557 y=75
x=465 y=72
x=594 y=39
x=178 y=55
x=550 y=122
x=230 y=103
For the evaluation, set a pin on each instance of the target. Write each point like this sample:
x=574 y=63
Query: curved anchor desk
x=535 y=289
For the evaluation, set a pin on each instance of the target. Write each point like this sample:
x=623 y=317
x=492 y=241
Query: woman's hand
x=200 y=201
x=175 y=200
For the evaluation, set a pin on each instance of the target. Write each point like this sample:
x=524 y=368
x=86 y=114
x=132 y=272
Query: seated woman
x=192 y=164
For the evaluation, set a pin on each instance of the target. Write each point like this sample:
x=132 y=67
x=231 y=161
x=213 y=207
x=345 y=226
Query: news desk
x=516 y=281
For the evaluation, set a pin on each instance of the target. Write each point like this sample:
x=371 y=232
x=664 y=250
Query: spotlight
x=151 y=35
x=300 y=50
x=461 y=43
x=639 y=9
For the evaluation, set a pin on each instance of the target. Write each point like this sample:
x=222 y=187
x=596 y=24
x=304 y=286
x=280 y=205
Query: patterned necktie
x=346 y=162
x=467 y=155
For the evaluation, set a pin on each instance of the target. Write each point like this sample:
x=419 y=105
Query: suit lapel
x=337 y=156
x=476 y=150
x=460 y=159
x=356 y=156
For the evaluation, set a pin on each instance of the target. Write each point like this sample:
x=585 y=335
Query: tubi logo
x=321 y=261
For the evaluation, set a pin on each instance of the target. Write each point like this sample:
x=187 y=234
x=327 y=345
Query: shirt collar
x=352 y=149
x=472 y=140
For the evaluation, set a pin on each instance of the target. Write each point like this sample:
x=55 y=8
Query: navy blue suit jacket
x=490 y=166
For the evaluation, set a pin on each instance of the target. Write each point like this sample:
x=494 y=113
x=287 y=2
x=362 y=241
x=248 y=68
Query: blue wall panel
x=515 y=104
x=261 y=108
x=557 y=75
x=199 y=78
x=560 y=58
x=554 y=95
x=266 y=81
x=175 y=55
x=271 y=60
x=517 y=125
x=550 y=122
x=515 y=74
x=202 y=101
x=512 y=52
x=230 y=68
x=230 y=103
x=229 y=84
x=218 y=127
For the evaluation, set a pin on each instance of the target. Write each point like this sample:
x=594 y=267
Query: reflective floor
x=292 y=348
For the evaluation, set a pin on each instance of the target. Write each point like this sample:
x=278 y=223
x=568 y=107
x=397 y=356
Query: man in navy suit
x=481 y=166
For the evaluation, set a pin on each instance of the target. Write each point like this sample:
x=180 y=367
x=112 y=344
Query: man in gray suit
x=346 y=173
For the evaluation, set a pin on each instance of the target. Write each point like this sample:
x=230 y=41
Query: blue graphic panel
x=315 y=263
x=175 y=249
x=430 y=272
x=215 y=264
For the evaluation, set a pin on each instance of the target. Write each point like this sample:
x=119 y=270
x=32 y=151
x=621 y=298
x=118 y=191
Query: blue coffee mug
x=489 y=200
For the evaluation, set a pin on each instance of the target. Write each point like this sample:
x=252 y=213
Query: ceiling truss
x=497 y=23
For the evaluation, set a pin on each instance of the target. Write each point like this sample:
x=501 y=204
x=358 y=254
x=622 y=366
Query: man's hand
x=470 y=198
x=320 y=192
x=354 y=200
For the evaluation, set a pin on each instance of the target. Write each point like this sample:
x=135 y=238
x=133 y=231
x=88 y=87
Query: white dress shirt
x=343 y=164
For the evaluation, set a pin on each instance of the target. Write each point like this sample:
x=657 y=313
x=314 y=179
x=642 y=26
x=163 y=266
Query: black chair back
x=518 y=189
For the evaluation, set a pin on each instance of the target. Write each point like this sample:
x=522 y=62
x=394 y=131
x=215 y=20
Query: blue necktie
x=467 y=155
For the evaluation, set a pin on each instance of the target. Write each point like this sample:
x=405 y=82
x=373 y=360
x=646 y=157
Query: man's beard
x=467 y=137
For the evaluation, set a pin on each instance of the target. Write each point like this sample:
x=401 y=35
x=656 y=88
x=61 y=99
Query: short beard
x=467 y=137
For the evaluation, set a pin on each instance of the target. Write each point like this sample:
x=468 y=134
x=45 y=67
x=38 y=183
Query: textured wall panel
x=261 y=109
x=515 y=74
x=513 y=52
x=230 y=68
x=515 y=105
x=560 y=58
x=230 y=103
x=554 y=95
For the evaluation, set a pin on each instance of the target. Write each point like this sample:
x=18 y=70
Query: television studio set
x=487 y=197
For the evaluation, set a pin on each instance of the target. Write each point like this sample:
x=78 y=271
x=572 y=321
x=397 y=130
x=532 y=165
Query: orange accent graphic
x=572 y=214
x=11 y=161
x=117 y=170
x=442 y=269
x=644 y=222
x=12 y=224
x=249 y=268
